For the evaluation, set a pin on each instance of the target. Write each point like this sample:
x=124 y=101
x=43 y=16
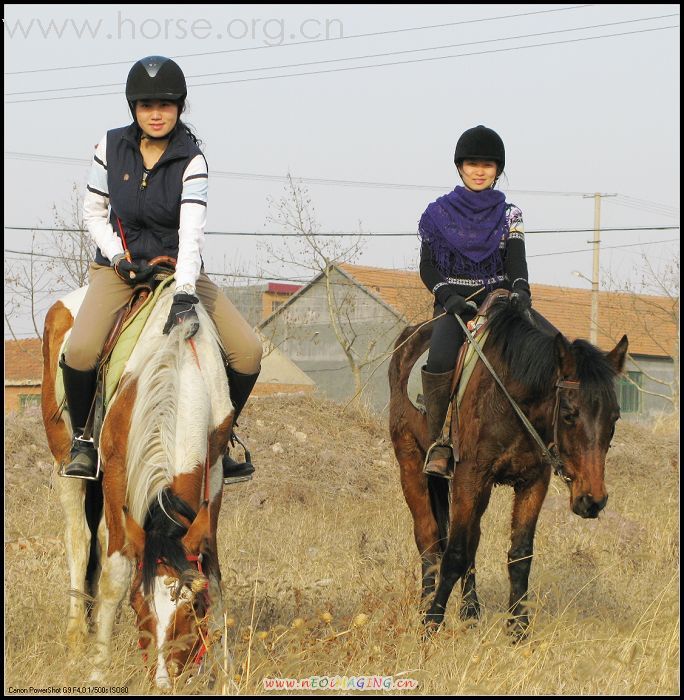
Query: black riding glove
x=130 y=272
x=520 y=298
x=183 y=311
x=454 y=303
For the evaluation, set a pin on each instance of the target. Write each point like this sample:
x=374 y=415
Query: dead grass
x=321 y=576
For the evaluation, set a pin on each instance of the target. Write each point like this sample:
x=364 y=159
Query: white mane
x=172 y=416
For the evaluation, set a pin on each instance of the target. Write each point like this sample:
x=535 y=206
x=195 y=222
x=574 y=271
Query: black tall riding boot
x=437 y=397
x=79 y=389
x=241 y=386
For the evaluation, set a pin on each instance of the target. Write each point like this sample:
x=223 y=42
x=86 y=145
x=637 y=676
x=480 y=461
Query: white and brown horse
x=161 y=442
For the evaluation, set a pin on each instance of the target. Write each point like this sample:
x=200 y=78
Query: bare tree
x=57 y=262
x=73 y=243
x=294 y=213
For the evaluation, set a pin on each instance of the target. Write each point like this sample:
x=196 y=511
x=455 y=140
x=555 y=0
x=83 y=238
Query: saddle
x=120 y=342
x=467 y=359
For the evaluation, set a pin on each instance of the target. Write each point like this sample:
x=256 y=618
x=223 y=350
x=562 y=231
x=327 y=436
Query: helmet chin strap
x=145 y=137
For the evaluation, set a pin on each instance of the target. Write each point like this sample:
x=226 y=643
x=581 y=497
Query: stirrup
x=98 y=467
x=244 y=470
x=448 y=473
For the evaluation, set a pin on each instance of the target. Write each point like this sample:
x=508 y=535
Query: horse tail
x=438 y=488
x=94 y=500
x=403 y=416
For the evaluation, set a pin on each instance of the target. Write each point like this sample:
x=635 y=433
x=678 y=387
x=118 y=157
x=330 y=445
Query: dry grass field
x=321 y=575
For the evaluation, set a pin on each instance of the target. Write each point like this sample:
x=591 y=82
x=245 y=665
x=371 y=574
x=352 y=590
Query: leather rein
x=550 y=452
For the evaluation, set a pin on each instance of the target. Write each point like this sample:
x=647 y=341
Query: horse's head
x=170 y=596
x=585 y=413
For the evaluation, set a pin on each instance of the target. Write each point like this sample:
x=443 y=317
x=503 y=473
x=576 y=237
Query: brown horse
x=566 y=390
x=161 y=442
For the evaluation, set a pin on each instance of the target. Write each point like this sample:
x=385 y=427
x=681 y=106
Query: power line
x=310 y=41
x=375 y=65
x=358 y=58
x=606 y=247
x=538 y=255
x=643 y=205
x=66 y=160
x=386 y=234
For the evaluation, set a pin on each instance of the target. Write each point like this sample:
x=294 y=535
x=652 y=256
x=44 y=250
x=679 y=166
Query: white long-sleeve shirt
x=193 y=215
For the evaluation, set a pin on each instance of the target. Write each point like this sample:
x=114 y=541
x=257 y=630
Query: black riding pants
x=447 y=339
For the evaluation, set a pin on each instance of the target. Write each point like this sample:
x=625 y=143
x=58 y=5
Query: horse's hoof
x=96 y=676
x=470 y=612
x=518 y=628
x=431 y=624
x=76 y=637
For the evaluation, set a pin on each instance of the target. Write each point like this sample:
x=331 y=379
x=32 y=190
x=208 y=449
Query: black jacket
x=148 y=208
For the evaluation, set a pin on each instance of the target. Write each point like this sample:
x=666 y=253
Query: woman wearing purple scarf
x=472 y=239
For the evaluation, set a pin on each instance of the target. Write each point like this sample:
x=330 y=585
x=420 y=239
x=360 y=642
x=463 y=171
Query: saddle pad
x=415 y=385
x=469 y=363
x=130 y=332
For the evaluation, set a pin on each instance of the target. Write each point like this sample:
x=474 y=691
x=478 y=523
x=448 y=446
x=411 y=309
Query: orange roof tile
x=648 y=321
x=403 y=290
x=23 y=361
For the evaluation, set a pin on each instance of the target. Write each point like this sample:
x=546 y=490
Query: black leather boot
x=241 y=386
x=79 y=389
x=437 y=397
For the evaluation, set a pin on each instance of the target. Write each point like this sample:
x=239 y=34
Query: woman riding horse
x=147 y=197
x=472 y=241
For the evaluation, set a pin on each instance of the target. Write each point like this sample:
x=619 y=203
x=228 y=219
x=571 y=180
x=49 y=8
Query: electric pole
x=593 y=331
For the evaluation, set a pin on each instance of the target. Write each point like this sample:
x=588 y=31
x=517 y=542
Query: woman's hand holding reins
x=130 y=272
x=456 y=304
x=520 y=298
x=183 y=311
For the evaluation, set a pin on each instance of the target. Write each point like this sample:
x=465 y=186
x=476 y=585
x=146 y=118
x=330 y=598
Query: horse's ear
x=135 y=535
x=564 y=357
x=617 y=355
x=198 y=532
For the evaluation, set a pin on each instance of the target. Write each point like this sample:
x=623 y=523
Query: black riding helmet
x=156 y=78
x=481 y=143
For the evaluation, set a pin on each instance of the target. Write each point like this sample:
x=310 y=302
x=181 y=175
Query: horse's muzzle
x=587 y=507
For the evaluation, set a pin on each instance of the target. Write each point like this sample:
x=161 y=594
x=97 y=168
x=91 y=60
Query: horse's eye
x=569 y=418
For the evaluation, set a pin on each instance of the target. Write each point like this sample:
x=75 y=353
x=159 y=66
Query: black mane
x=527 y=352
x=163 y=535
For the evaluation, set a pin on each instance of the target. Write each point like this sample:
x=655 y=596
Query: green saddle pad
x=130 y=332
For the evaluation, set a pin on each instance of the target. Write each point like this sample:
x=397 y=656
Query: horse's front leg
x=526 y=506
x=77 y=543
x=469 y=495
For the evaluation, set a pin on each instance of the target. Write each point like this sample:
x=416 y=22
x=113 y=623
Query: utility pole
x=593 y=331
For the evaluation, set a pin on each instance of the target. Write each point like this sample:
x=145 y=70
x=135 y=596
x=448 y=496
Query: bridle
x=554 y=446
x=550 y=452
x=197 y=560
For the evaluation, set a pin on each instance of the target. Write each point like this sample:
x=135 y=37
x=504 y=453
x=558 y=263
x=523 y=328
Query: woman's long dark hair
x=186 y=127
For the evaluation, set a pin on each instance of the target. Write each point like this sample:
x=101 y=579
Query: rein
x=550 y=453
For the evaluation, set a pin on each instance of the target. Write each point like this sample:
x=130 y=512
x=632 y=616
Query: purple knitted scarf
x=463 y=230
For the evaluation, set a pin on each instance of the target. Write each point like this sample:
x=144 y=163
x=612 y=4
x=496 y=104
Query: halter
x=553 y=446
x=196 y=559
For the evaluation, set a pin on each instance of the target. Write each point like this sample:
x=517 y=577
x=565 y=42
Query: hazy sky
x=577 y=115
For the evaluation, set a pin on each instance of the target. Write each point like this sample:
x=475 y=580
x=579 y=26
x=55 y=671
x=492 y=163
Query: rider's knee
x=80 y=357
